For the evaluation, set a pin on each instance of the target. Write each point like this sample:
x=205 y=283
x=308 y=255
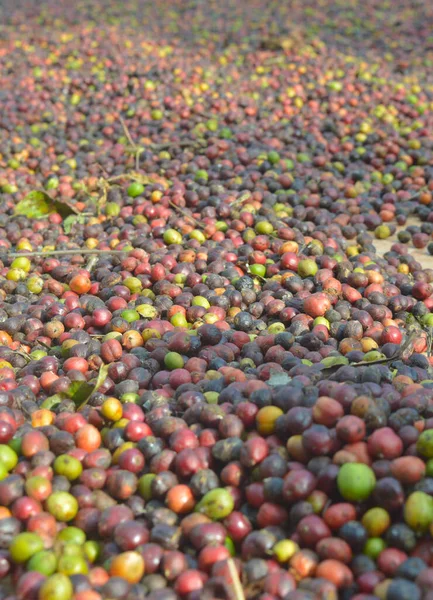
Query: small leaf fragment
x=334 y=361
x=71 y=220
x=52 y=401
x=80 y=391
x=276 y=379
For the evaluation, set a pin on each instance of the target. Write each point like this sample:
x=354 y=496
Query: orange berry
x=180 y=499
x=129 y=566
x=80 y=284
x=88 y=438
x=42 y=417
x=336 y=572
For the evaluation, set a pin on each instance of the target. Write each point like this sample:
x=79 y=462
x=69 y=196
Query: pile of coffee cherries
x=213 y=384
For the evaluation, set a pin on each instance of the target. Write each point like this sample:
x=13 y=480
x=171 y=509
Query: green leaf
x=80 y=391
x=64 y=208
x=52 y=401
x=70 y=221
x=35 y=205
x=39 y=204
x=334 y=361
x=102 y=376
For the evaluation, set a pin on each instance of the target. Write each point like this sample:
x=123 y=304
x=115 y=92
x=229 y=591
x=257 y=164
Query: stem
x=207 y=115
x=418 y=193
x=103 y=170
x=237 y=587
x=127 y=134
x=137 y=150
x=407 y=346
x=127 y=176
x=23 y=354
x=185 y=214
x=65 y=252
x=180 y=144
x=400 y=354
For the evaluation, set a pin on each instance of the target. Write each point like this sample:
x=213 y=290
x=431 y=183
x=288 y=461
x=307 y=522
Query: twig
x=103 y=170
x=65 y=252
x=429 y=343
x=397 y=356
x=25 y=355
x=185 y=214
x=19 y=406
x=41 y=343
x=137 y=158
x=406 y=346
x=103 y=187
x=127 y=133
x=180 y=144
x=126 y=176
x=138 y=151
x=207 y=115
x=418 y=193
x=237 y=587
x=133 y=176
x=242 y=198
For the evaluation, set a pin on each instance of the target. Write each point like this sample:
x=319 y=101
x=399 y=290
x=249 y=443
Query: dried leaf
x=276 y=379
